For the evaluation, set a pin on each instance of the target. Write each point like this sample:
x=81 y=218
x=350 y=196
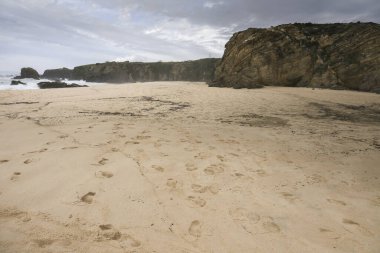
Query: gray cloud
x=56 y=33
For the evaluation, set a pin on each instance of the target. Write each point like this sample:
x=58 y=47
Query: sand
x=181 y=167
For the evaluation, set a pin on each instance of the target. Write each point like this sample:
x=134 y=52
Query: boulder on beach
x=16 y=82
x=28 y=73
x=57 y=84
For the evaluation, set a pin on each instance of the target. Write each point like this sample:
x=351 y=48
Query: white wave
x=31 y=84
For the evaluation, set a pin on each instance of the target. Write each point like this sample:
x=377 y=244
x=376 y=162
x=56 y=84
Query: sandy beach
x=181 y=167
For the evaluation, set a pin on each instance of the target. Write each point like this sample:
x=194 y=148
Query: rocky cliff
x=119 y=72
x=314 y=55
x=62 y=73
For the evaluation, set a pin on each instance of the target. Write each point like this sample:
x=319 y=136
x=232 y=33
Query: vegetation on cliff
x=120 y=72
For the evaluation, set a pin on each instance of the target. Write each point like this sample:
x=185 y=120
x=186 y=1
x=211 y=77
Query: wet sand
x=181 y=167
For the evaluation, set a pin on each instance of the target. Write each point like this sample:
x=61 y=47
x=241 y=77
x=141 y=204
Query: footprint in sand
x=271 y=227
x=14 y=213
x=214 y=169
x=315 y=179
x=132 y=142
x=252 y=222
x=38 y=151
x=202 y=156
x=128 y=241
x=190 y=167
x=158 y=168
x=103 y=161
x=15 y=176
x=142 y=137
x=104 y=174
x=337 y=202
x=108 y=232
x=214 y=188
x=220 y=157
x=325 y=230
x=238 y=174
x=88 y=197
x=198 y=188
x=288 y=196
x=261 y=172
x=172 y=183
x=245 y=218
x=228 y=141
x=3 y=161
x=355 y=224
x=27 y=161
x=350 y=222
x=42 y=243
x=376 y=201
x=197 y=201
x=65 y=148
x=195 y=228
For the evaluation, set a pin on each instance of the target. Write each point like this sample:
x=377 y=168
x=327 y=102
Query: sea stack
x=28 y=73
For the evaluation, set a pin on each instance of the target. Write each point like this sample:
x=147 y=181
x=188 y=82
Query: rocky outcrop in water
x=62 y=73
x=28 y=73
x=16 y=82
x=313 y=55
x=52 y=85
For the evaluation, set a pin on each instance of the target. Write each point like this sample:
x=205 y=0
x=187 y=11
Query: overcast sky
x=56 y=33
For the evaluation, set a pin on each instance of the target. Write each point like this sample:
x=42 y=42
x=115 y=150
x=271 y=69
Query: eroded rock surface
x=339 y=56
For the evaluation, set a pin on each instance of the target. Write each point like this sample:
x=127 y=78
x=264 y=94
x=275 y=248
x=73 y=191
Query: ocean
x=31 y=84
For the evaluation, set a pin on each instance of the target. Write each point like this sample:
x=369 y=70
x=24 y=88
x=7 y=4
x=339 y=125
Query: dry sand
x=180 y=167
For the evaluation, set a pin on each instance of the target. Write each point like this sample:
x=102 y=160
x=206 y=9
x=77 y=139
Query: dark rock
x=51 y=85
x=376 y=90
x=28 y=73
x=15 y=82
x=62 y=73
x=119 y=72
x=338 y=56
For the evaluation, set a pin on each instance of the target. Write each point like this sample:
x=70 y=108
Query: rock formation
x=315 y=55
x=119 y=72
x=62 y=73
x=52 y=85
x=28 y=73
x=15 y=82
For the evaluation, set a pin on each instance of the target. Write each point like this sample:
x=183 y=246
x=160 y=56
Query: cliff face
x=119 y=72
x=62 y=73
x=315 y=55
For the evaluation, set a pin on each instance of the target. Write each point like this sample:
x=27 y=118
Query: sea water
x=31 y=84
